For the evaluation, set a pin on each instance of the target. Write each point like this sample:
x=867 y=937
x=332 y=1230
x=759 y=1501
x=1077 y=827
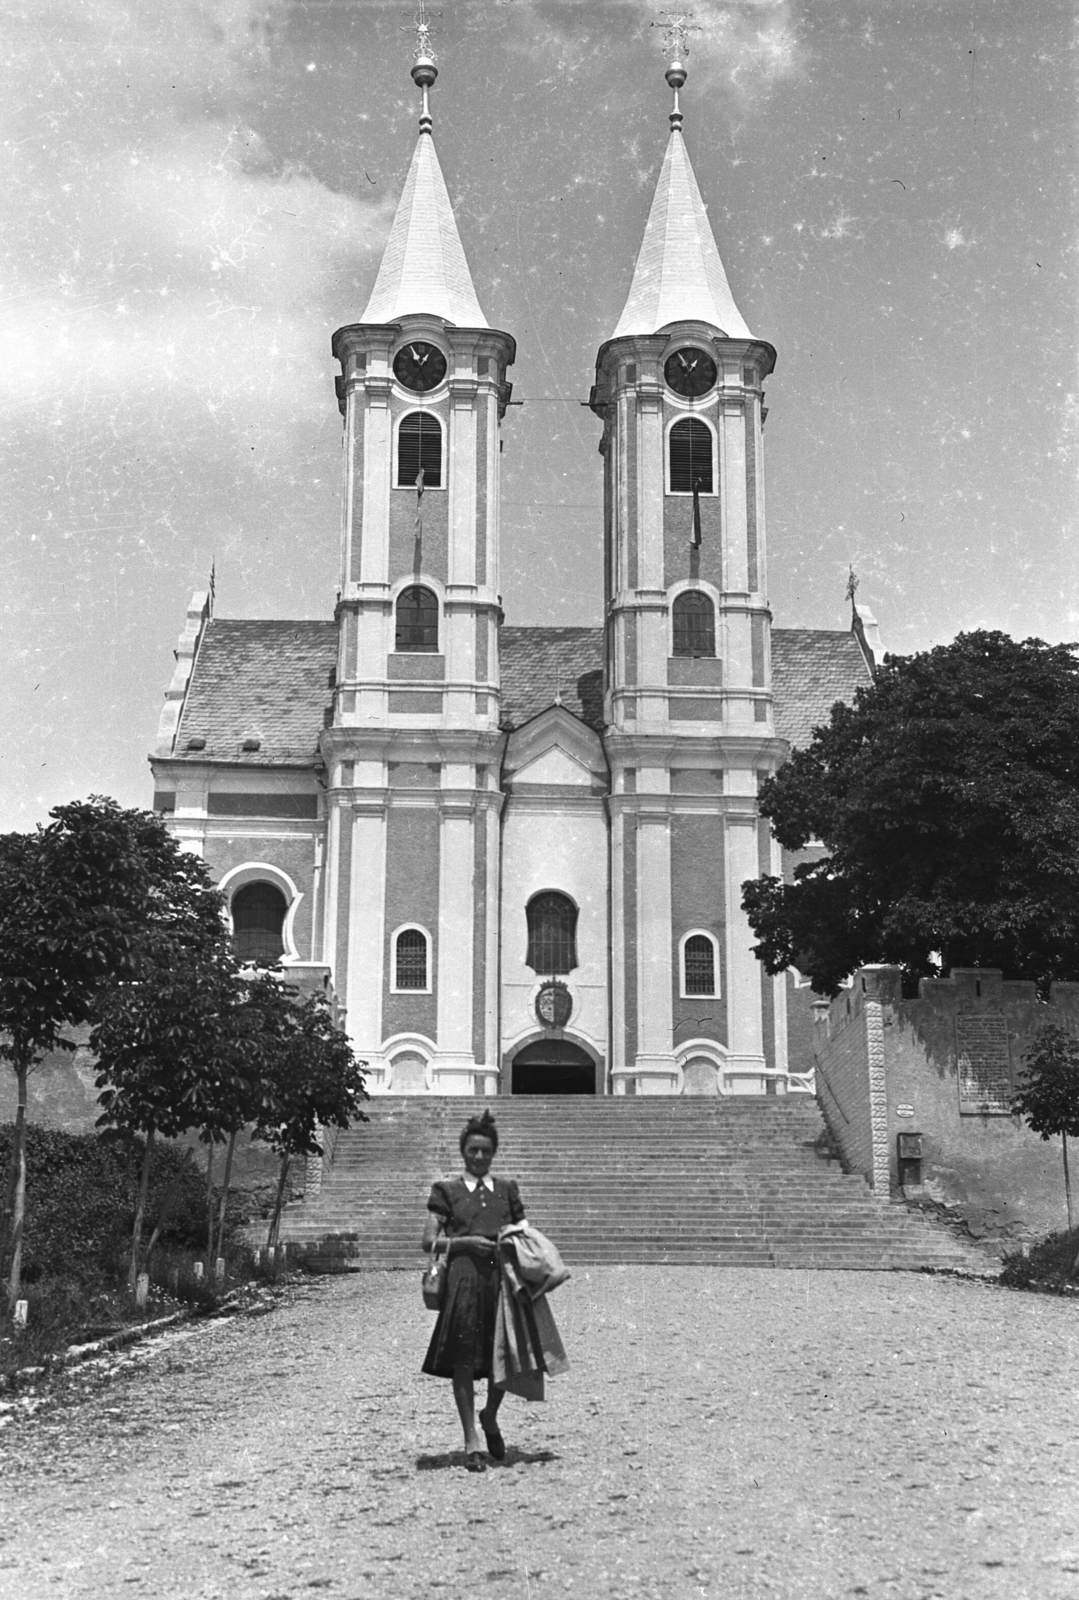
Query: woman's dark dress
x=464 y=1334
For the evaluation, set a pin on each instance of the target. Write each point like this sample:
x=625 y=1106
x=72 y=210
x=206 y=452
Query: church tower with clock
x=411 y=750
x=688 y=698
x=514 y=854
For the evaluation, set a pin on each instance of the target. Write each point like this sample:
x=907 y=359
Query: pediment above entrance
x=555 y=751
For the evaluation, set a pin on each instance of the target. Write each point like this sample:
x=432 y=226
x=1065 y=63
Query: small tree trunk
x=1067 y=1182
x=166 y=1203
x=230 y=1152
x=18 y=1200
x=140 y=1210
x=210 y=1208
x=9 y=1204
x=275 y=1220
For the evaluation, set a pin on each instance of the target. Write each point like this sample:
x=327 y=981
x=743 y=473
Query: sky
x=195 y=195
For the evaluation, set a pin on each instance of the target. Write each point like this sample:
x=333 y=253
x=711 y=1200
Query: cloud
x=152 y=234
x=750 y=45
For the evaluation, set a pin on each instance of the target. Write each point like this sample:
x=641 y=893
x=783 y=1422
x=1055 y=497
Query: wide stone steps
x=720 y=1182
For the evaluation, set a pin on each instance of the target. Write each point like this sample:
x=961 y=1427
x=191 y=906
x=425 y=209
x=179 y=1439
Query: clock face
x=690 y=372
x=419 y=366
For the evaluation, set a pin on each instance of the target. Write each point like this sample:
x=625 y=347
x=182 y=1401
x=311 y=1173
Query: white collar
x=471 y=1182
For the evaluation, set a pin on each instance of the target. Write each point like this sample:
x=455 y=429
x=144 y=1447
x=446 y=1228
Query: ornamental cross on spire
x=423 y=34
x=424 y=71
x=677 y=27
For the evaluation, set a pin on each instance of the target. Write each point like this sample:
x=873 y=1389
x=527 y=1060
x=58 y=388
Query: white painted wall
x=552 y=845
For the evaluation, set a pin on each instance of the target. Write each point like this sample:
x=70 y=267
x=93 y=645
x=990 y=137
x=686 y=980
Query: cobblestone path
x=723 y=1432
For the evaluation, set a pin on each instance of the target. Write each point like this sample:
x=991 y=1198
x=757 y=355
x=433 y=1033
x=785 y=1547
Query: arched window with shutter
x=693 y=619
x=419 y=444
x=552 y=933
x=258 y=921
x=690 y=442
x=417 y=621
x=411 y=964
x=700 y=966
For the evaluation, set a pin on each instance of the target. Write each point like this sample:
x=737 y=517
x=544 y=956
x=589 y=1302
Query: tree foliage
x=1048 y=1095
x=309 y=1078
x=946 y=799
x=76 y=899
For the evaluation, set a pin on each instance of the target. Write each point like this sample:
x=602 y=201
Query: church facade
x=516 y=853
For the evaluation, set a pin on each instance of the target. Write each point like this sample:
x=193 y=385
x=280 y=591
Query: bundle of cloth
x=528 y=1346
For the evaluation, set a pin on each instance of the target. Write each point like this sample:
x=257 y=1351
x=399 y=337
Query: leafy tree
x=309 y=1079
x=75 y=898
x=172 y=1054
x=946 y=799
x=1048 y=1097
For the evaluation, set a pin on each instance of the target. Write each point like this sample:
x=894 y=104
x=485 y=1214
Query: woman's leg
x=489 y=1421
x=464 y=1392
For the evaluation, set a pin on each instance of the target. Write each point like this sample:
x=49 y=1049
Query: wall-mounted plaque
x=984 y=1061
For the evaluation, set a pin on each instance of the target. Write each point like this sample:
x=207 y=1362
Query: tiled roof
x=424 y=267
x=268 y=680
x=812 y=668
x=537 y=662
x=679 y=276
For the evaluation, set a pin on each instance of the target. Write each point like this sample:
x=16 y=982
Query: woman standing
x=470 y=1210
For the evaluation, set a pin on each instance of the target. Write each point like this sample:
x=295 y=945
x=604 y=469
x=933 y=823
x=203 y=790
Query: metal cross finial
x=677 y=26
x=424 y=71
x=423 y=34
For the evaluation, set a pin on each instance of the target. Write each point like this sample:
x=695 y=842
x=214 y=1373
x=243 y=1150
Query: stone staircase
x=723 y=1182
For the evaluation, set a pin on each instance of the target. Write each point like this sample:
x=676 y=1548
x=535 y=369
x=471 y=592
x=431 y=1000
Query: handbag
x=433 y=1282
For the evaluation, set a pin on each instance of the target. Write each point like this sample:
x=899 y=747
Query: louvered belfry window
x=699 y=957
x=691 y=457
x=258 y=917
x=694 y=620
x=419 y=444
x=417 y=621
x=552 y=933
x=410 y=959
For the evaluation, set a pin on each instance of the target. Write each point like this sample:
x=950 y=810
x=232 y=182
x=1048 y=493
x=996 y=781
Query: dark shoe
x=474 y=1461
x=496 y=1445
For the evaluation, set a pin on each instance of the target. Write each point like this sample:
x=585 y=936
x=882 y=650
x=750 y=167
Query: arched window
x=691 y=457
x=258 y=918
x=417 y=620
x=694 y=619
x=419 y=445
x=410 y=964
x=699 y=965
x=552 y=933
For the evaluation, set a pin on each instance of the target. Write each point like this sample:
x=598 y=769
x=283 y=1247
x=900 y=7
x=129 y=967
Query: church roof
x=264 y=680
x=538 y=662
x=270 y=681
x=423 y=267
x=679 y=276
x=812 y=668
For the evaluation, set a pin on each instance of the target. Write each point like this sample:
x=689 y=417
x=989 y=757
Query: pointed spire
x=679 y=276
x=423 y=267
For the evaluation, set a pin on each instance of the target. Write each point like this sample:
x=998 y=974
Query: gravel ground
x=722 y=1432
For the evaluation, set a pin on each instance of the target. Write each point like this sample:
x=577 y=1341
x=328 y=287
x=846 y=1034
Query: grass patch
x=1050 y=1264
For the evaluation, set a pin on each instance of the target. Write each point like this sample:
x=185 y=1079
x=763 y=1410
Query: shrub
x=80 y=1201
x=1050 y=1264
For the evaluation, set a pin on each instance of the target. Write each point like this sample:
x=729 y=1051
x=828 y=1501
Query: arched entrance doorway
x=552 y=1066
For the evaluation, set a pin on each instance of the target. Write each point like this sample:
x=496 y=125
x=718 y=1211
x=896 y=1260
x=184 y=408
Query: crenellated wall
x=944 y=1066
